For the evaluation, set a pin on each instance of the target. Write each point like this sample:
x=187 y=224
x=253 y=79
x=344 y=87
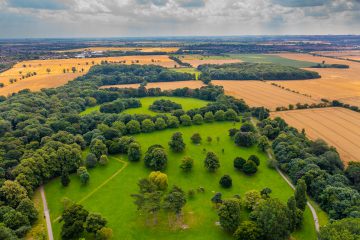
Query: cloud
x=191 y=3
x=154 y=2
x=301 y=3
x=37 y=4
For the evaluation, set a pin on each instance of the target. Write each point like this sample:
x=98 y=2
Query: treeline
x=108 y=74
x=335 y=65
x=178 y=61
x=254 y=71
x=120 y=105
x=328 y=182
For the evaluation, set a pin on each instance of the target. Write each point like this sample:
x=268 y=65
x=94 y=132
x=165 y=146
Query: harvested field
x=162 y=85
x=140 y=49
x=258 y=94
x=350 y=54
x=353 y=101
x=334 y=83
x=196 y=60
x=339 y=127
x=56 y=72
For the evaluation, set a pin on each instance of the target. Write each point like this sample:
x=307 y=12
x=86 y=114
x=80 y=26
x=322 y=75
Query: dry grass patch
x=162 y=85
x=339 y=127
x=56 y=72
x=258 y=94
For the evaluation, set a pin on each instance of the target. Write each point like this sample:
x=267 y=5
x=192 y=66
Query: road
x=46 y=214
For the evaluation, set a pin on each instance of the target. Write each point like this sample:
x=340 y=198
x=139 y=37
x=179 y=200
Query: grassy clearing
x=186 y=103
x=113 y=199
x=188 y=70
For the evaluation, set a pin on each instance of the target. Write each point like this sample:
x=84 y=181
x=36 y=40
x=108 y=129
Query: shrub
x=134 y=152
x=239 y=163
x=155 y=158
x=196 y=138
x=229 y=215
x=133 y=127
x=164 y=106
x=248 y=230
x=198 y=119
x=185 y=120
x=177 y=143
x=209 y=117
x=103 y=160
x=219 y=115
x=147 y=126
x=160 y=124
x=187 y=164
x=159 y=179
x=250 y=167
x=90 y=160
x=211 y=162
x=231 y=115
x=255 y=159
x=225 y=181
x=252 y=198
x=233 y=131
x=173 y=122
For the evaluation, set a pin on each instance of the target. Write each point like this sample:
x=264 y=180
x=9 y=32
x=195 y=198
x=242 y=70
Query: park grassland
x=186 y=103
x=109 y=189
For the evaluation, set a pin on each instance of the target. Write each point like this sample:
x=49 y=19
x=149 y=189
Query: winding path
x=47 y=214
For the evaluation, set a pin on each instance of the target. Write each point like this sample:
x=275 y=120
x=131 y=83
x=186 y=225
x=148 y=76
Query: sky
x=142 y=18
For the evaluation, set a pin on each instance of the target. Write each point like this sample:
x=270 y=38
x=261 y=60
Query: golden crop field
x=339 y=127
x=348 y=54
x=37 y=74
x=162 y=85
x=258 y=94
x=140 y=49
x=196 y=60
x=335 y=83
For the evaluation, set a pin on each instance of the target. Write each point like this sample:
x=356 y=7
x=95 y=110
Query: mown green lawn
x=186 y=103
x=113 y=199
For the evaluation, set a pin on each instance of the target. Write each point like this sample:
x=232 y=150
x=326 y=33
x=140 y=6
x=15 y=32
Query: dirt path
x=46 y=214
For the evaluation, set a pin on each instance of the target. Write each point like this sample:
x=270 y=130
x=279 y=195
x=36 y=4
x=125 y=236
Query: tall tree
x=211 y=162
x=300 y=194
x=177 y=142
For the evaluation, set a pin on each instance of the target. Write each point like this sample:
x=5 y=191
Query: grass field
x=339 y=127
x=110 y=187
x=186 y=103
x=50 y=73
x=188 y=70
x=196 y=60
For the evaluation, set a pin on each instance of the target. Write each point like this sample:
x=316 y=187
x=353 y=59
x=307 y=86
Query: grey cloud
x=154 y=2
x=191 y=3
x=301 y=3
x=37 y=4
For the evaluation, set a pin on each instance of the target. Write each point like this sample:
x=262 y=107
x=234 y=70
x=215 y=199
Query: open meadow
x=110 y=187
x=339 y=127
x=37 y=74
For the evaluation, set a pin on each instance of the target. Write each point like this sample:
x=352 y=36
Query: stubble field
x=339 y=127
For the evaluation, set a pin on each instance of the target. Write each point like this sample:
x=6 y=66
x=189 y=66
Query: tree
x=134 y=152
x=160 y=124
x=103 y=160
x=263 y=143
x=173 y=122
x=244 y=139
x=14 y=219
x=84 y=175
x=344 y=229
x=65 y=178
x=147 y=126
x=231 y=115
x=177 y=143
x=196 y=138
x=272 y=217
x=217 y=198
x=300 y=194
x=252 y=198
x=27 y=208
x=295 y=214
x=74 y=218
x=90 y=160
x=248 y=230
x=239 y=163
x=94 y=222
x=209 y=117
x=187 y=164
x=133 y=127
x=159 y=179
x=265 y=193
x=229 y=214
x=7 y=233
x=249 y=167
x=12 y=193
x=198 y=119
x=185 y=120
x=175 y=201
x=104 y=233
x=98 y=148
x=219 y=115
x=353 y=174
x=211 y=162
x=155 y=158
x=247 y=127
x=225 y=181
x=255 y=159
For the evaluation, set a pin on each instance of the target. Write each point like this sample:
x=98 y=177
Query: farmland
x=110 y=187
x=196 y=60
x=125 y=49
x=162 y=85
x=338 y=126
x=56 y=72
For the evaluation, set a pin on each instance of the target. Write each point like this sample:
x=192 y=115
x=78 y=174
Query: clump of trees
x=164 y=106
x=177 y=142
x=155 y=158
x=120 y=105
x=248 y=166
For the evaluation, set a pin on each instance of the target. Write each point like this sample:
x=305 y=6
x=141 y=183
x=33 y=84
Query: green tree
x=104 y=233
x=133 y=127
x=14 y=219
x=272 y=217
x=147 y=126
x=173 y=122
x=159 y=179
x=160 y=124
x=12 y=193
x=98 y=148
x=255 y=159
x=245 y=139
x=185 y=120
x=27 y=208
x=90 y=160
x=231 y=115
x=134 y=152
x=196 y=138
x=94 y=222
x=103 y=160
x=209 y=117
x=198 y=119
x=177 y=143
x=229 y=214
x=300 y=194
x=187 y=164
x=263 y=143
x=295 y=214
x=84 y=175
x=219 y=115
x=248 y=230
x=65 y=178
x=352 y=172
x=225 y=181
x=211 y=162
x=344 y=229
x=74 y=218
x=175 y=200
x=239 y=163
x=155 y=158
x=250 y=167
x=252 y=199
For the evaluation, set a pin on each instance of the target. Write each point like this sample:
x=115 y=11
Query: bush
x=90 y=160
x=245 y=139
x=249 y=167
x=164 y=106
x=173 y=122
x=187 y=164
x=219 y=115
x=248 y=230
x=196 y=138
x=147 y=126
x=155 y=158
x=198 y=119
x=225 y=181
x=211 y=162
x=159 y=179
x=103 y=160
x=209 y=117
x=160 y=124
x=231 y=115
x=255 y=159
x=233 y=131
x=229 y=215
x=177 y=143
x=239 y=163
x=134 y=152
x=133 y=127
x=185 y=120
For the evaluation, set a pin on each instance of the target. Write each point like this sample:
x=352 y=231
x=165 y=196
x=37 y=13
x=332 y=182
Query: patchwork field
x=186 y=103
x=140 y=49
x=334 y=83
x=196 y=60
x=162 y=85
x=56 y=72
x=269 y=58
x=339 y=127
x=350 y=54
x=110 y=187
x=258 y=93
